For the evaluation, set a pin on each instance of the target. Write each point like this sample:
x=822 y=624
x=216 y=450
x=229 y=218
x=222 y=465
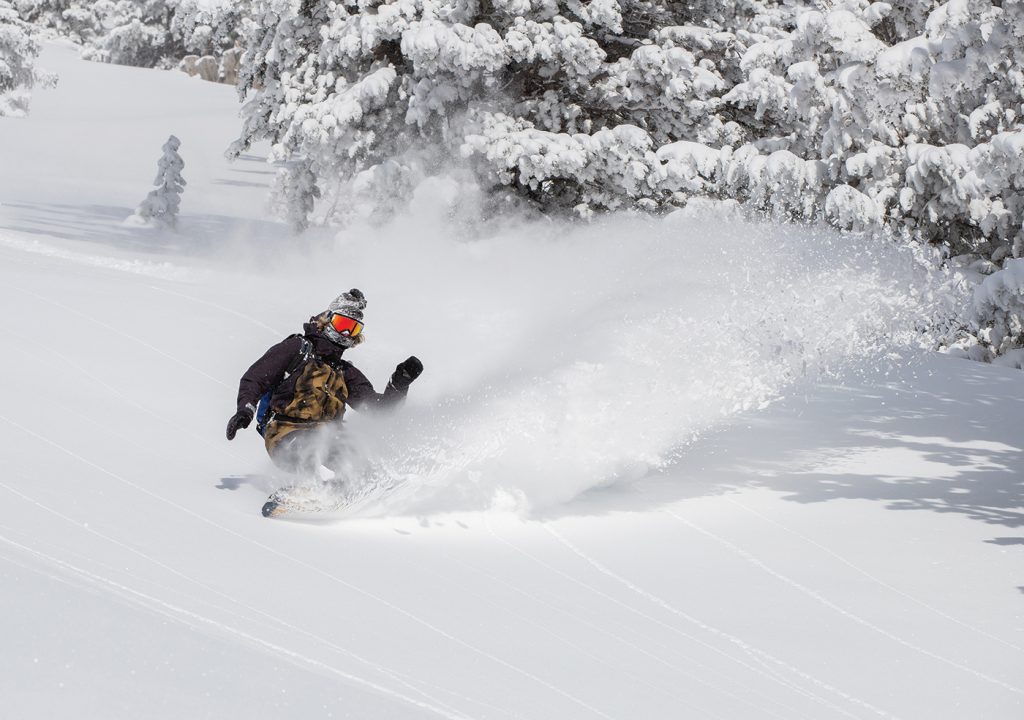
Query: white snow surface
x=692 y=468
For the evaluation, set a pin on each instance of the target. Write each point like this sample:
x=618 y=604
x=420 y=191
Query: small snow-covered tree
x=18 y=51
x=161 y=205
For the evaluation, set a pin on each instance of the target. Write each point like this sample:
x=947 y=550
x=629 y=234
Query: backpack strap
x=305 y=353
x=264 y=415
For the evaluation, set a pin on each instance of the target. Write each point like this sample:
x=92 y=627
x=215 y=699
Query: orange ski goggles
x=346 y=325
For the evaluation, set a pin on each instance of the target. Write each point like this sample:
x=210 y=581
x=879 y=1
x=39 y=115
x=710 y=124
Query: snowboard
x=306 y=499
x=319 y=497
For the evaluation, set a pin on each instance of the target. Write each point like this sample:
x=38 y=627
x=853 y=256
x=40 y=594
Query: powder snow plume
x=561 y=358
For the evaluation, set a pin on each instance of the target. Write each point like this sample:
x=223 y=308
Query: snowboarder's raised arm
x=361 y=394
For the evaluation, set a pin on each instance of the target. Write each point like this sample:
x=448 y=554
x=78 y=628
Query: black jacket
x=268 y=372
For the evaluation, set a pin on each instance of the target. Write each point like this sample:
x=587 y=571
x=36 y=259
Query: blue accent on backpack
x=263 y=414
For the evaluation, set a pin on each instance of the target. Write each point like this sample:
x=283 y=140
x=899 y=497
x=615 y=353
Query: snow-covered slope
x=693 y=469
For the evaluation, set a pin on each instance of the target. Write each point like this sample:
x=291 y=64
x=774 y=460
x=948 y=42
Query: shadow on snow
x=194 y=234
x=916 y=446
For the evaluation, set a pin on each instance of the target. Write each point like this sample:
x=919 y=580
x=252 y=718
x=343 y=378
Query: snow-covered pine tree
x=279 y=45
x=161 y=204
x=79 y=20
x=350 y=85
x=295 y=193
x=136 y=32
x=212 y=29
x=147 y=33
x=195 y=24
x=18 y=51
x=860 y=113
x=904 y=130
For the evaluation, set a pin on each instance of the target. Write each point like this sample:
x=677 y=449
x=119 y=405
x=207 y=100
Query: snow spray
x=564 y=357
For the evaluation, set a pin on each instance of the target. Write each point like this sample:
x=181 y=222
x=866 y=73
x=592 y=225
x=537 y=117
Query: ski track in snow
x=197 y=370
x=880 y=583
x=301 y=563
x=626 y=642
x=164 y=271
x=65 y=307
x=65 y=361
x=195 y=620
x=739 y=642
x=768 y=661
x=817 y=597
x=223 y=308
x=764 y=670
x=255 y=612
x=508 y=611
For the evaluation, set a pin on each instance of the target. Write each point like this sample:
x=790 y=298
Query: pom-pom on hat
x=350 y=304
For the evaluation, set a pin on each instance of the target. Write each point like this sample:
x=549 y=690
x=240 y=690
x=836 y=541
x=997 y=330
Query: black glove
x=406 y=372
x=239 y=421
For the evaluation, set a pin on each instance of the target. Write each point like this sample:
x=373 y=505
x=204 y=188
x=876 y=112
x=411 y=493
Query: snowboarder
x=301 y=387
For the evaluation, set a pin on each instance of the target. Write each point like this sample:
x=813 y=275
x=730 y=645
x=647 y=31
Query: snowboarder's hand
x=239 y=421
x=406 y=372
